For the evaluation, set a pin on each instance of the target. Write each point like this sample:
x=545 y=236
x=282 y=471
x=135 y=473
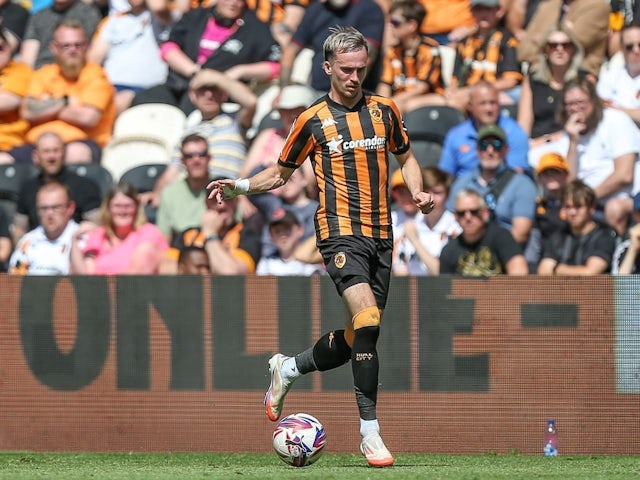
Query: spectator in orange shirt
x=71 y=97
x=14 y=77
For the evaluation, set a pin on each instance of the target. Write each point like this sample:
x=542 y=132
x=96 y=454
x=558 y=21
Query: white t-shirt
x=615 y=135
x=618 y=87
x=279 y=267
x=434 y=239
x=35 y=254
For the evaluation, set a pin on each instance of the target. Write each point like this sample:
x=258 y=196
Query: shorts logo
x=376 y=114
x=340 y=259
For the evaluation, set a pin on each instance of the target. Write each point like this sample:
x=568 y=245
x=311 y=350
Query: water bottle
x=550 y=440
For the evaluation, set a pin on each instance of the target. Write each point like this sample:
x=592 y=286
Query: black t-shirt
x=14 y=18
x=84 y=192
x=569 y=249
x=488 y=256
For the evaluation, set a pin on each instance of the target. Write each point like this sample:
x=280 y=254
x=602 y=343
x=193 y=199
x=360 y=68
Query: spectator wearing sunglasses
x=510 y=196
x=619 y=87
x=559 y=62
x=483 y=248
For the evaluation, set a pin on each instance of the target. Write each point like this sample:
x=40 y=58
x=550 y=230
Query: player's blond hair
x=342 y=40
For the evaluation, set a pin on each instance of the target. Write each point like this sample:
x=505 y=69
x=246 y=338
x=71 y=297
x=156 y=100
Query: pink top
x=213 y=36
x=115 y=260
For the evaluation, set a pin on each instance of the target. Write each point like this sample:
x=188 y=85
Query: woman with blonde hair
x=559 y=61
x=124 y=243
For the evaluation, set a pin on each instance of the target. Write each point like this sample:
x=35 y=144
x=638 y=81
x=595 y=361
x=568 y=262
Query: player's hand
x=424 y=202
x=222 y=189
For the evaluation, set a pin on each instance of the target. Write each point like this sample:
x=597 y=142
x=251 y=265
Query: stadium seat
x=152 y=120
x=143 y=178
x=426 y=152
x=122 y=154
x=509 y=111
x=100 y=175
x=432 y=122
x=12 y=176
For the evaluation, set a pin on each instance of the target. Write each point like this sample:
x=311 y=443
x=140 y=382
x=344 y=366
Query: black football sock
x=365 y=366
x=329 y=352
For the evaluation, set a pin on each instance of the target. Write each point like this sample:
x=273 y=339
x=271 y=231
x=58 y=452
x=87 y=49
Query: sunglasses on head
x=556 y=45
x=496 y=143
x=630 y=46
x=475 y=212
x=201 y=154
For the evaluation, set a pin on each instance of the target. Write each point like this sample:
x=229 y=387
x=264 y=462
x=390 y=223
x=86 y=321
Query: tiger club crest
x=340 y=259
x=376 y=114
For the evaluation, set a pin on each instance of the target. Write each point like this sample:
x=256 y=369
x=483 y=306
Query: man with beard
x=71 y=97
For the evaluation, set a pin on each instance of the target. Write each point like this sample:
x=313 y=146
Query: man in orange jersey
x=347 y=135
x=71 y=97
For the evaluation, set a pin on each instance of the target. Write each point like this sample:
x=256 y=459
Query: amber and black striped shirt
x=349 y=150
x=403 y=72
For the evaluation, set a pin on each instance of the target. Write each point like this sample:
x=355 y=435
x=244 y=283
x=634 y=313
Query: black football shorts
x=351 y=260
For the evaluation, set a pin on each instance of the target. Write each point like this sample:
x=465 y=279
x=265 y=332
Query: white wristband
x=240 y=187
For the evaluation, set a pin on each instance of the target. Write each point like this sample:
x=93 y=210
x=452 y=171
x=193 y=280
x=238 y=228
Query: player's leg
x=329 y=352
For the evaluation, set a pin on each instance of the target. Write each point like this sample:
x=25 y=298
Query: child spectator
x=585 y=247
x=489 y=54
x=420 y=240
x=412 y=66
x=286 y=232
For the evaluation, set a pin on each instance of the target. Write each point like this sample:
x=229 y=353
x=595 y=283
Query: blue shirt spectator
x=459 y=156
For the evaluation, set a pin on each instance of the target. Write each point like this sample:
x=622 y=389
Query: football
x=299 y=439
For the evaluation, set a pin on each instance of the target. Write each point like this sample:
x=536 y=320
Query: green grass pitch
x=214 y=466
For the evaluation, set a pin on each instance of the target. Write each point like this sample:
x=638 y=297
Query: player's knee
x=369 y=317
x=331 y=351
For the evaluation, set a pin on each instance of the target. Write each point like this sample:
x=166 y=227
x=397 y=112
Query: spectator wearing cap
x=403 y=208
x=625 y=258
x=286 y=233
x=459 y=153
x=585 y=246
x=509 y=195
x=553 y=175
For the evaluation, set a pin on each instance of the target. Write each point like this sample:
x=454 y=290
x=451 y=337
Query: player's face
x=347 y=71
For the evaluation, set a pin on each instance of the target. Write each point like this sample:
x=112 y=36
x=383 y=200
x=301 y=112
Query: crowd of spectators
x=542 y=177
